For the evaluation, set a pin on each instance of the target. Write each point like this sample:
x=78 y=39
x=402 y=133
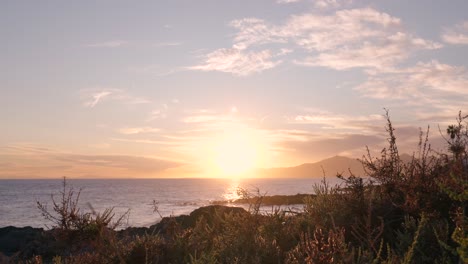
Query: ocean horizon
x=175 y=196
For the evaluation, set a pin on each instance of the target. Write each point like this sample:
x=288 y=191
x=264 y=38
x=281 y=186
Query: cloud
x=322 y=4
x=92 y=97
x=457 y=35
x=344 y=39
x=283 y=52
x=351 y=143
x=340 y=122
x=330 y=3
x=96 y=97
x=430 y=80
x=381 y=55
x=107 y=44
x=287 y=1
x=200 y=119
x=138 y=130
x=167 y=44
x=131 y=163
x=354 y=38
x=162 y=112
x=145 y=141
x=433 y=91
x=25 y=149
x=254 y=31
x=29 y=160
x=211 y=121
x=156 y=114
x=237 y=61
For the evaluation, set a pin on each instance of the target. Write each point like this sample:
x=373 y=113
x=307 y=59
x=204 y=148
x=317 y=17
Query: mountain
x=331 y=167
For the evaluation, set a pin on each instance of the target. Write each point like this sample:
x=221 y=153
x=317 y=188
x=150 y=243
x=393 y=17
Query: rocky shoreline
x=27 y=242
x=18 y=243
x=270 y=200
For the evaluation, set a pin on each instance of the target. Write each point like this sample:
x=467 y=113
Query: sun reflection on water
x=231 y=193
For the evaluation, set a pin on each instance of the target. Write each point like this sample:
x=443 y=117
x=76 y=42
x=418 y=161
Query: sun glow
x=236 y=153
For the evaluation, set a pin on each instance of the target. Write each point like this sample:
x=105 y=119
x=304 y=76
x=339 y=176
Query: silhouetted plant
x=403 y=210
x=76 y=231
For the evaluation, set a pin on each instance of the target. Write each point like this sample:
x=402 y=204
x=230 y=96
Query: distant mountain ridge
x=330 y=166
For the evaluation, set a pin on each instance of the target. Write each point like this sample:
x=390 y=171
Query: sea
x=171 y=197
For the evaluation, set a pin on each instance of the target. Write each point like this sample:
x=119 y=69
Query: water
x=174 y=196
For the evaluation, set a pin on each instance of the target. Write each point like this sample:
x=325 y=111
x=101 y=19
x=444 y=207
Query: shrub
x=78 y=231
x=401 y=211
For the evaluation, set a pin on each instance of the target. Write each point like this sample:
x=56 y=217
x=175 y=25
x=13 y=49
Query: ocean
x=18 y=198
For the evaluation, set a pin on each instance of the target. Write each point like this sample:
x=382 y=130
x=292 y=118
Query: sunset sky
x=206 y=88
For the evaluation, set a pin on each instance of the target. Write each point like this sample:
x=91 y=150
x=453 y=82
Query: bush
x=402 y=211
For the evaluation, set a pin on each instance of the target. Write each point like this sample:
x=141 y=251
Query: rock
x=133 y=231
x=18 y=243
x=169 y=225
x=210 y=213
x=19 y=239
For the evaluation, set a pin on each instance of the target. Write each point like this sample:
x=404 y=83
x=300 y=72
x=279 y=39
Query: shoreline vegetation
x=398 y=211
x=268 y=200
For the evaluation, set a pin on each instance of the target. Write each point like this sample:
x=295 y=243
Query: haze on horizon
x=211 y=88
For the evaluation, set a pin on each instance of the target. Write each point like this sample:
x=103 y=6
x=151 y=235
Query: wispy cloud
x=157 y=114
x=339 y=122
x=287 y=1
x=331 y=3
x=27 y=160
x=425 y=80
x=434 y=91
x=107 y=44
x=329 y=146
x=347 y=38
x=138 y=130
x=167 y=44
x=202 y=119
x=354 y=38
x=145 y=141
x=457 y=35
x=96 y=97
x=93 y=96
x=162 y=111
x=254 y=31
x=237 y=61
x=211 y=119
x=380 y=55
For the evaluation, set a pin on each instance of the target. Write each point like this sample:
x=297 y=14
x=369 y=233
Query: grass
x=399 y=212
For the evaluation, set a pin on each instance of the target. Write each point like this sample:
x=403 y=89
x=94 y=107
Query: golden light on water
x=231 y=193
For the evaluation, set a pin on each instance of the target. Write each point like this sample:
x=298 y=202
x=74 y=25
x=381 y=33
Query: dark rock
x=270 y=200
x=133 y=231
x=19 y=239
x=170 y=225
x=210 y=213
x=26 y=242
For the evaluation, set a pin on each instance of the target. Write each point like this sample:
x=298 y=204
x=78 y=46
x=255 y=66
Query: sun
x=235 y=153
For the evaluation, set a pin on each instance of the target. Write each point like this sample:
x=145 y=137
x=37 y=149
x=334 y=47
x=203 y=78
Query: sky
x=208 y=88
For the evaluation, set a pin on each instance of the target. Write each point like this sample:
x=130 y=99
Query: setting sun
x=235 y=153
